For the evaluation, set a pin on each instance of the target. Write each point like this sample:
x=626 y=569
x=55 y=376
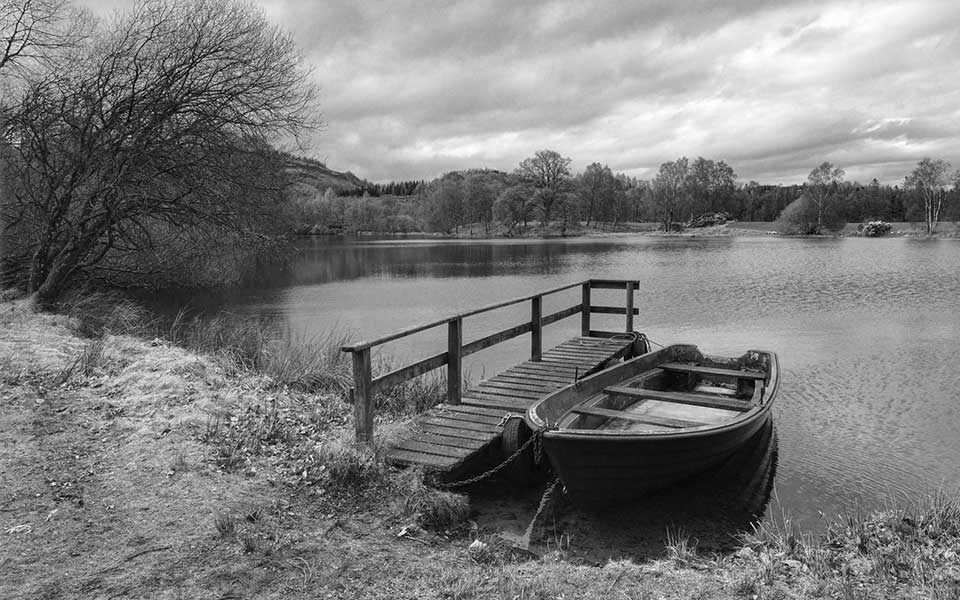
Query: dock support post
x=585 y=310
x=536 y=323
x=454 y=359
x=629 y=306
x=362 y=397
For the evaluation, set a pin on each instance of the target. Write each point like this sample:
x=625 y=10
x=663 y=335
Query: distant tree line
x=543 y=192
x=393 y=188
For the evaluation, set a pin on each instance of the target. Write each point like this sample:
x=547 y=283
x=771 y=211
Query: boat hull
x=603 y=470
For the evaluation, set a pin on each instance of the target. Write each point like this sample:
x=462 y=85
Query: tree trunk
x=936 y=211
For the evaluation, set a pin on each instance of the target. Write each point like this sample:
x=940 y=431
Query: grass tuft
x=345 y=465
x=95 y=314
x=430 y=507
x=225 y=524
x=412 y=397
x=85 y=364
x=680 y=549
x=179 y=462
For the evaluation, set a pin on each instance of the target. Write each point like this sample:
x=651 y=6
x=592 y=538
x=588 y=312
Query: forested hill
x=314 y=174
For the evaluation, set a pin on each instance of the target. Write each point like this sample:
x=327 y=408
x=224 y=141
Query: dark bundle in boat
x=653 y=420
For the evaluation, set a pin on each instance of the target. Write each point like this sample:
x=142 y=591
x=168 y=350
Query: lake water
x=866 y=329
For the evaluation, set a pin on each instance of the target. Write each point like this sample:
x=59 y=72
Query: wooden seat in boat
x=595 y=411
x=701 y=370
x=681 y=397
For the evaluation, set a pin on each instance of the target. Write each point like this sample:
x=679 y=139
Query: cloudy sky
x=414 y=88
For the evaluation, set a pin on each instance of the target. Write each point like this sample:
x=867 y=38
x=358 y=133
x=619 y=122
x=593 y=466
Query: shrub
x=800 y=218
x=875 y=229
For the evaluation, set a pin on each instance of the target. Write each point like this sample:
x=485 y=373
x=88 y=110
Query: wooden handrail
x=365 y=386
x=423 y=327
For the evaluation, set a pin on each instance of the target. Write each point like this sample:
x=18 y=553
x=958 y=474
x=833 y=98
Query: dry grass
x=900 y=552
x=252 y=344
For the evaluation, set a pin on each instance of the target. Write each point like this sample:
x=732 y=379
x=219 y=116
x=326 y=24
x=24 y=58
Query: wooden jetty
x=463 y=434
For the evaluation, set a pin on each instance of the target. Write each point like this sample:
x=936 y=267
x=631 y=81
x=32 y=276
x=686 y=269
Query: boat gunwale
x=743 y=419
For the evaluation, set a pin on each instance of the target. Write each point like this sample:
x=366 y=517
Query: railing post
x=585 y=310
x=454 y=344
x=536 y=333
x=362 y=396
x=629 y=306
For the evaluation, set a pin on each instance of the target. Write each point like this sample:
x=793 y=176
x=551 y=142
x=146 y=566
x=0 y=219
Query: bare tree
x=712 y=185
x=549 y=173
x=821 y=183
x=35 y=30
x=671 y=190
x=513 y=206
x=596 y=191
x=160 y=131
x=929 y=180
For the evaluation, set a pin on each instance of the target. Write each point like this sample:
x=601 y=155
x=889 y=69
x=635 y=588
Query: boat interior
x=675 y=394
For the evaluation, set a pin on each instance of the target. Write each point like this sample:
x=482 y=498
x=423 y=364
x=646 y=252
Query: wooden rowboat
x=653 y=420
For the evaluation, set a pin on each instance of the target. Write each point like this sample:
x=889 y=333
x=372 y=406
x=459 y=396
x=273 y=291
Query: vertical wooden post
x=454 y=345
x=585 y=310
x=362 y=397
x=629 y=306
x=536 y=333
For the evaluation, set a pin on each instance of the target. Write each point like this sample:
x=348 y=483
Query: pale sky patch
x=412 y=88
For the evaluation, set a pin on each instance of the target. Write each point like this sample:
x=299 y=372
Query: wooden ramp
x=456 y=440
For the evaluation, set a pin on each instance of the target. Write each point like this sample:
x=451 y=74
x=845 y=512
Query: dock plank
x=445 y=409
x=425 y=460
x=416 y=445
x=448 y=440
x=455 y=417
x=509 y=391
x=508 y=384
x=548 y=384
x=544 y=369
x=451 y=430
x=481 y=427
x=513 y=405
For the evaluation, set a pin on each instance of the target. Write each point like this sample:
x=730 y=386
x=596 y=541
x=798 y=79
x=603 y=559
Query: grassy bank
x=136 y=467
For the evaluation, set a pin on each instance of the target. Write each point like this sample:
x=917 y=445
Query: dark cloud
x=412 y=88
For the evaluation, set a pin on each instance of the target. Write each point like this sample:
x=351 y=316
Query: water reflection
x=321 y=261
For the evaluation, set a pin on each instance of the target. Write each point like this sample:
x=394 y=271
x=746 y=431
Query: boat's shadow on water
x=708 y=511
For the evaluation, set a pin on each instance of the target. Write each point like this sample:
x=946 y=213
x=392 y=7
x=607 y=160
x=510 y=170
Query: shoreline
x=946 y=230
x=136 y=467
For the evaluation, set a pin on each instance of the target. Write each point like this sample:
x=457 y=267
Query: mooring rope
x=645 y=337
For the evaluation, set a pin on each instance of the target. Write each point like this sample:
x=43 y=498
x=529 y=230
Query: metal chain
x=537 y=453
